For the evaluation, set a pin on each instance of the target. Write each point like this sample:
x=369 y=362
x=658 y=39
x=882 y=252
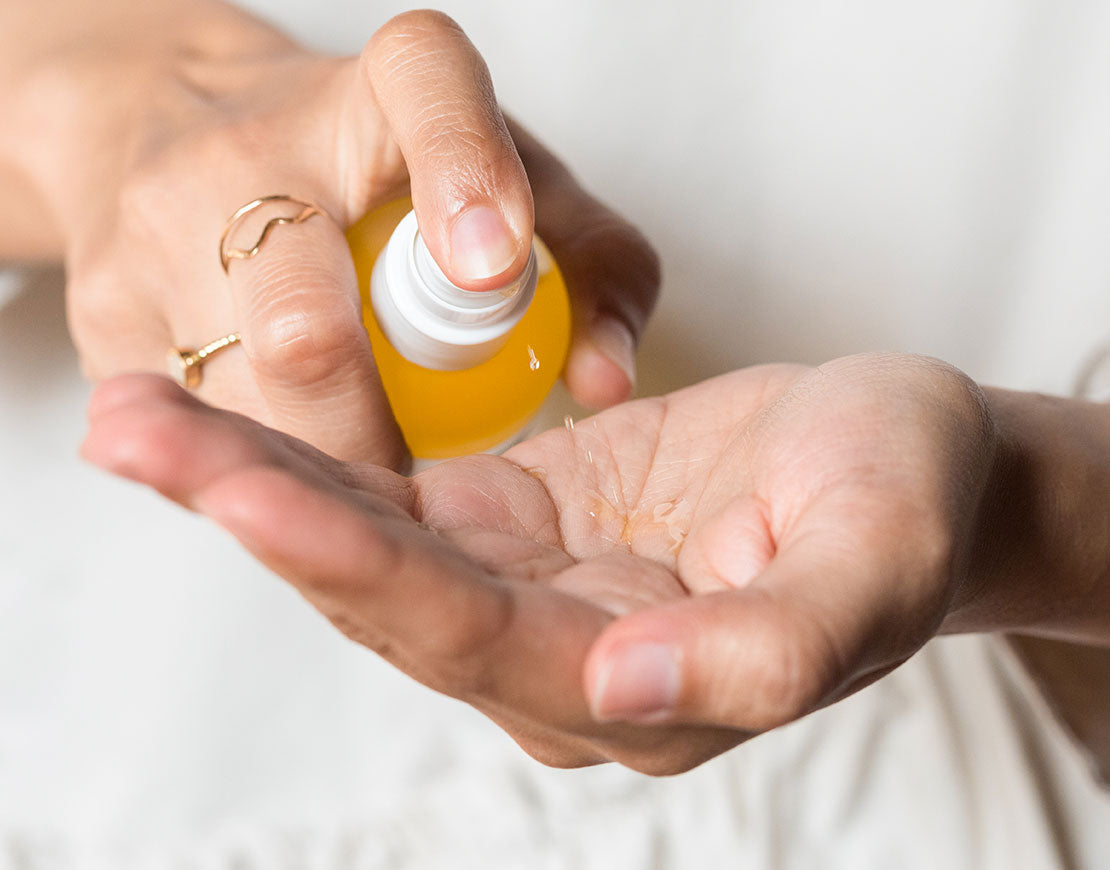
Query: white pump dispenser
x=431 y=321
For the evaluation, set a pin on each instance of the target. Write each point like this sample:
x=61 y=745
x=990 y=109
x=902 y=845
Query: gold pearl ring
x=185 y=365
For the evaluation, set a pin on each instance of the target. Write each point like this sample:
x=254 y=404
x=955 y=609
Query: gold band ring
x=308 y=209
x=184 y=365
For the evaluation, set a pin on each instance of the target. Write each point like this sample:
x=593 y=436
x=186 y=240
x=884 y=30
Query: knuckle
x=468 y=643
x=90 y=301
x=305 y=339
x=99 y=314
x=91 y=367
x=115 y=309
x=464 y=652
x=796 y=669
x=970 y=401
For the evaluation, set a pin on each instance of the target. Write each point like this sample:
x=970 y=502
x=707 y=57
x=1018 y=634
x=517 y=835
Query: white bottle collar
x=433 y=322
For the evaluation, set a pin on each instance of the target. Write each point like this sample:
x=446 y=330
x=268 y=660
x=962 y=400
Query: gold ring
x=184 y=365
x=308 y=209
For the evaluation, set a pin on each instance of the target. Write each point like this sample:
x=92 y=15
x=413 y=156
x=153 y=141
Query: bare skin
x=672 y=576
x=133 y=130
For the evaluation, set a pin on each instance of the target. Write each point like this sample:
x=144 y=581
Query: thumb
x=469 y=188
x=815 y=624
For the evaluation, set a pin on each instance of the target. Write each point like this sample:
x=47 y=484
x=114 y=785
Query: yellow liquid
x=444 y=414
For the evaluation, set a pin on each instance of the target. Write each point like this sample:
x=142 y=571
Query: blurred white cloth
x=820 y=179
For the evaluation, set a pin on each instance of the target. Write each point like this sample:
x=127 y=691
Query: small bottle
x=465 y=371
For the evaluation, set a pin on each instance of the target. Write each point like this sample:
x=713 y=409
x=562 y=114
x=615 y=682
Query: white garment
x=819 y=179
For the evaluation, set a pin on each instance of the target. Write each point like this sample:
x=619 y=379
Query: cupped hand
x=173 y=115
x=651 y=585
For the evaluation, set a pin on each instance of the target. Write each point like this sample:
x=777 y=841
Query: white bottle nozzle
x=433 y=322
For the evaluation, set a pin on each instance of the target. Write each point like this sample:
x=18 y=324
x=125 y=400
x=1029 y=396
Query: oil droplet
x=533 y=361
x=538 y=472
x=589 y=456
x=665 y=526
x=568 y=422
x=662 y=510
x=602 y=509
x=674 y=516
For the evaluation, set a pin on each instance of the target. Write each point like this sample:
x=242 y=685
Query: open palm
x=651 y=585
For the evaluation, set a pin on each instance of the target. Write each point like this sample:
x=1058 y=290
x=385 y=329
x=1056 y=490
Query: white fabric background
x=820 y=178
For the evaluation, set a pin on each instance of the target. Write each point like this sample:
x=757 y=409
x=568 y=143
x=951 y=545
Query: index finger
x=469 y=188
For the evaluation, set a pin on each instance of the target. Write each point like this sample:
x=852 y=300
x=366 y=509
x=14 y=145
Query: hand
x=165 y=117
x=653 y=585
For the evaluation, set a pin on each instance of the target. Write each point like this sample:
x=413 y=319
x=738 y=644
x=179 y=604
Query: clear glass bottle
x=464 y=371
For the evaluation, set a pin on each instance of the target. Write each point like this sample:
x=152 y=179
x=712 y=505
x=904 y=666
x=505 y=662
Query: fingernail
x=481 y=244
x=615 y=342
x=638 y=683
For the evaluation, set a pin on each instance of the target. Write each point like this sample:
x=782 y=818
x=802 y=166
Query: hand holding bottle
x=657 y=583
x=164 y=117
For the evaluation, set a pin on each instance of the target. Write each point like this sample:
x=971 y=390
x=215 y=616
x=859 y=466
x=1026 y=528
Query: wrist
x=1040 y=557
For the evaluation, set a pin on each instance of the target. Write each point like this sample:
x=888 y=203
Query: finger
x=612 y=275
x=827 y=609
x=146 y=428
x=300 y=318
x=469 y=189
x=134 y=421
x=115 y=324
